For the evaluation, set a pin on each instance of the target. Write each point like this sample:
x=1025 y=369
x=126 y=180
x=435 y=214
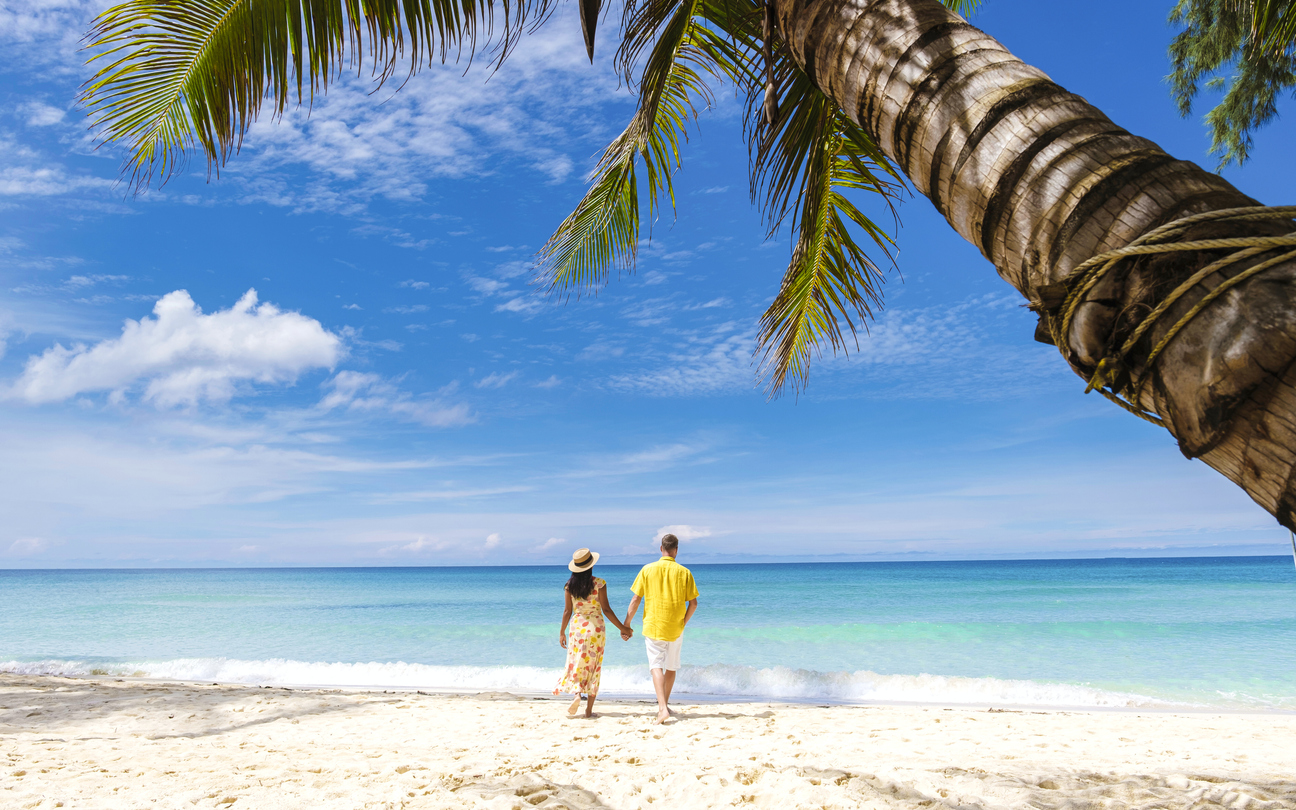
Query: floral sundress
x=586 y=639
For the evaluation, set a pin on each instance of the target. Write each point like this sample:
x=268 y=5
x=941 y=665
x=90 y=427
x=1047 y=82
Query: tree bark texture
x=1040 y=180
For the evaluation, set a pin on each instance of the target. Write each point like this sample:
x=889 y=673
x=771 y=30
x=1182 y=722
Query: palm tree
x=843 y=96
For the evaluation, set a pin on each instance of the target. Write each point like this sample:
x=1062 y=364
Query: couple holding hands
x=670 y=597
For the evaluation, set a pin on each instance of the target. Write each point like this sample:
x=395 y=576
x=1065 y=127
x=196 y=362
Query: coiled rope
x=1084 y=278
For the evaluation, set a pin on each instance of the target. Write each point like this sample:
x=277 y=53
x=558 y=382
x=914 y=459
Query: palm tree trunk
x=1040 y=180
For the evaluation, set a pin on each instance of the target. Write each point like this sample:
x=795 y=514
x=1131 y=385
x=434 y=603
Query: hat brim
x=576 y=569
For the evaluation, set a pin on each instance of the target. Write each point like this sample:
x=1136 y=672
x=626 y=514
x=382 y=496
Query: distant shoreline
x=611 y=561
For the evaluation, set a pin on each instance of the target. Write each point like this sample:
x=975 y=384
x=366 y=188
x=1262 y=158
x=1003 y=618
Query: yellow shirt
x=666 y=587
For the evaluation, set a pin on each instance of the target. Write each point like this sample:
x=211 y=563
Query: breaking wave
x=714 y=681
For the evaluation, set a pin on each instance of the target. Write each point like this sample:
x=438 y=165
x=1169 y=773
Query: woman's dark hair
x=581 y=584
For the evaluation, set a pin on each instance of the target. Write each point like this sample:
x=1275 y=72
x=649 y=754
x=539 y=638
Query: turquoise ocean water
x=1120 y=632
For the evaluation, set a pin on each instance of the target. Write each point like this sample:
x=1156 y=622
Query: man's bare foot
x=575 y=704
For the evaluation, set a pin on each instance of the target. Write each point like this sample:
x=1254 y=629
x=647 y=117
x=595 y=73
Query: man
x=672 y=597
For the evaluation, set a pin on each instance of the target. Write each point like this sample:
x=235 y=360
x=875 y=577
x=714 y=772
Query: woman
x=587 y=602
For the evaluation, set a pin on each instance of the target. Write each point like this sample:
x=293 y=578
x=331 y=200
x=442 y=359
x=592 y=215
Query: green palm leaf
x=180 y=72
x=603 y=231
x=1273 y=25
x=804 y=163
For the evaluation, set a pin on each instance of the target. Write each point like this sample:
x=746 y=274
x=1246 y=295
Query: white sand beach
x=102 y=743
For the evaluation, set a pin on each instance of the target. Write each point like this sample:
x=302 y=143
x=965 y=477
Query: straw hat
x=582 y=560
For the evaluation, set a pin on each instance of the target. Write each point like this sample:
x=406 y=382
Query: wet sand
x=100 y=744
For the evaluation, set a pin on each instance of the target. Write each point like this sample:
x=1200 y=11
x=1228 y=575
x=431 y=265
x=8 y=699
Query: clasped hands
x=625 y=636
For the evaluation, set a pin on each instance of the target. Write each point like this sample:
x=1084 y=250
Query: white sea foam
x=717 y=680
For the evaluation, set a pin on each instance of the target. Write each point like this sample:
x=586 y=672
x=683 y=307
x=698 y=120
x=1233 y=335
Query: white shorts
x=663 y=654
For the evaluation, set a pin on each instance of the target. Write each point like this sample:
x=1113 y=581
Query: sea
x=1210 y=633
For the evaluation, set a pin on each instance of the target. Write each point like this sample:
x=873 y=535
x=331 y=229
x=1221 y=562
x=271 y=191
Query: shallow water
x=1203 y=631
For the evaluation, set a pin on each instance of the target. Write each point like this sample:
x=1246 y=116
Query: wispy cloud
x=360 y=145
x=422 y=496
x=46 y=180
x=496 y=380
x=78 y=282
x=40 y=114
x=683 y=531
x=360 y=392
x=712 y=361
x=406 y=309
x=653 y=459
x=956 y=346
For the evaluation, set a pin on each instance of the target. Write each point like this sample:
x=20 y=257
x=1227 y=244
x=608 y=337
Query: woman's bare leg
x=575 y=704
x=589 y=706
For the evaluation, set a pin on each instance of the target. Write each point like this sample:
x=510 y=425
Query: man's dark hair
x=670 y=543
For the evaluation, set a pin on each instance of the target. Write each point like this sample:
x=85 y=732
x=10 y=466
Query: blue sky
x=331 y=354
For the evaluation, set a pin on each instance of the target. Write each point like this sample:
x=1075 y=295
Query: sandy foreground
x=132 y=744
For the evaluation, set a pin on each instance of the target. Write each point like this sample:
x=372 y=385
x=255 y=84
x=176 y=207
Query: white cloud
x=360 y=142
x=420 y=543
x=445 y=494
x=711 y=362
x=45 y=181
x=396 y=236
x=515 y=268
x=40 y=32
x=683 y=531
x=417 y=285
x=551 y=382
x=493 y=540
x=495 y=380
x=650 y=312
x=713 y=303
x=77 y=282
x=360 y=392
x=958 y=346
x=40 y=114
x=182 y=356
x=26 y=546
x=407 y=309
x=654 y=459
x=552 y=542
x=523 y=304
x=6 y=329
x=486 y=286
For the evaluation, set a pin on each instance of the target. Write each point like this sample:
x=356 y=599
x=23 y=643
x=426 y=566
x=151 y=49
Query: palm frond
x=803 y=166
x=965 y=7
x=180 y=73
x=603 y=231
x=1273 y=26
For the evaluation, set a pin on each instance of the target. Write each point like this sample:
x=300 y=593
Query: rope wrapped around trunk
x=1084 y=278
